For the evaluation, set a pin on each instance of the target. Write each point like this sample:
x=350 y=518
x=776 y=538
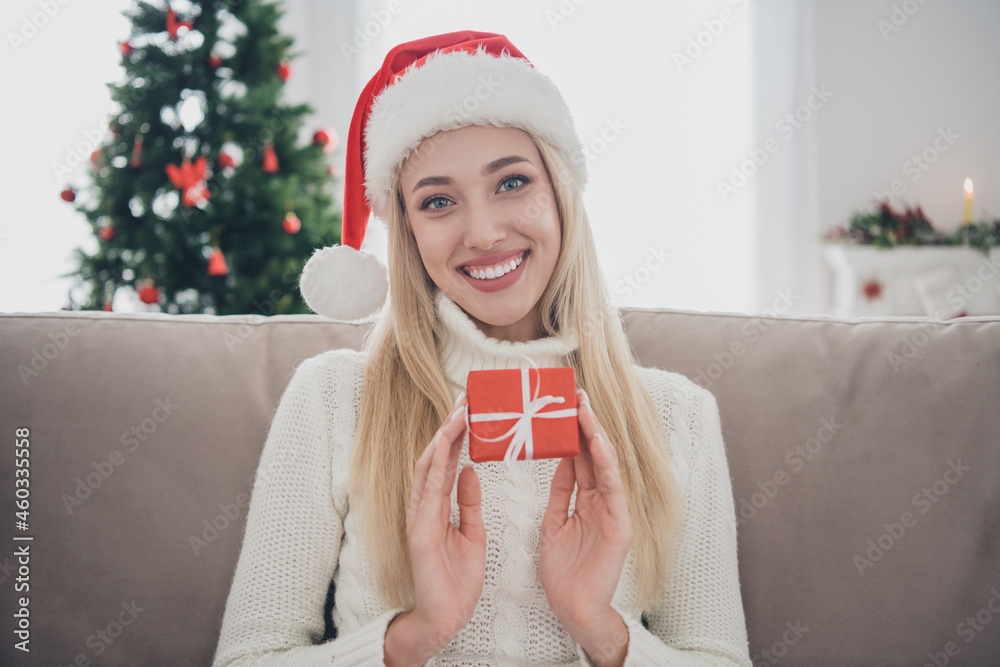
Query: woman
x=470 y=157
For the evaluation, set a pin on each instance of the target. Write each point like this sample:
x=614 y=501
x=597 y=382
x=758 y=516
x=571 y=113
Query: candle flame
x=968 y=185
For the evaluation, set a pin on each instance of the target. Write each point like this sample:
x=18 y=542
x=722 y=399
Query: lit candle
x=968 y=201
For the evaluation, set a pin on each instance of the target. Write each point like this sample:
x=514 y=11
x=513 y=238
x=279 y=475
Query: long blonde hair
x=406 y=397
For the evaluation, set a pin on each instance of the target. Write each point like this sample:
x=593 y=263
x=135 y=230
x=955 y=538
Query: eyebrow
x=492 y=167
x=431 y=180
x=497 y=165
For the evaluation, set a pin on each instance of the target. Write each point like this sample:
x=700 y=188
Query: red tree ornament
x=69 y=194
x=136 y=152
x=173 y=25
x=284 y=70
x=226 y=160
x=291 y=223
x=327 y=138
x=215 y=62
x=190 y=179
x=270 y=164
x=106 y=232
x=126 y=49
x=107 y=306
x=149 y=294
x=217 y=264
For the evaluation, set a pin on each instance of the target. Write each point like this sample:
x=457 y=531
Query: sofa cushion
x=864 y=457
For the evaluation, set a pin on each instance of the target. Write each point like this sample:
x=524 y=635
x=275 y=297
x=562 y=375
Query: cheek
x=542 y=226
x=537 y=214
x=434 y=246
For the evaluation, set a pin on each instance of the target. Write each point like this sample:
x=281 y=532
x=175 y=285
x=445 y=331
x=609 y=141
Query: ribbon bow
x=521 y=430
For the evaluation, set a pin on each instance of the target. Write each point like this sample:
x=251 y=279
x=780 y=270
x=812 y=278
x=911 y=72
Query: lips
x=487 y=260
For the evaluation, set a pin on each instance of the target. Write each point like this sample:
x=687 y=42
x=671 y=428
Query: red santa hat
x=437 y=83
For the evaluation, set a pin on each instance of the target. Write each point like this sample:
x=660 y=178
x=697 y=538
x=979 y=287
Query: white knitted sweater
x=300 y=534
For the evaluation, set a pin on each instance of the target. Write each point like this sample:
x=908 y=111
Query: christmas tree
x=206 y=199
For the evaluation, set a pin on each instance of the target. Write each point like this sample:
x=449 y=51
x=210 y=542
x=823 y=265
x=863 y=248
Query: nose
x=485 y=226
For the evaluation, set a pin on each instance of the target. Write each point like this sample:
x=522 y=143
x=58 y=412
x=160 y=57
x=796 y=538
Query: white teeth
x=494 y=272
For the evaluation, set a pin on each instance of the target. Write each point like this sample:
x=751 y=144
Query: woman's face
x=481 y=205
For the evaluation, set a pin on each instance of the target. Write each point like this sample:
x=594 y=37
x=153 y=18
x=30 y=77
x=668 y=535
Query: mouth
x=495 y=277
x=496 y=271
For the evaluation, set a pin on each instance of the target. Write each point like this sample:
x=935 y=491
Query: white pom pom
x=344 y=284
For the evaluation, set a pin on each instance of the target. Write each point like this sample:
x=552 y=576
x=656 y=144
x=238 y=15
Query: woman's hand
x=582 y=555
x=449 y=564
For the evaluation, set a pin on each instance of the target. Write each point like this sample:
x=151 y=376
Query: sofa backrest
x=864 y=457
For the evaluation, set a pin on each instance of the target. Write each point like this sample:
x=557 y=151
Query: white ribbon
x=521 y=430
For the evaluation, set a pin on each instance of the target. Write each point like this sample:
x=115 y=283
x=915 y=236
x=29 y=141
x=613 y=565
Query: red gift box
x=522 y=414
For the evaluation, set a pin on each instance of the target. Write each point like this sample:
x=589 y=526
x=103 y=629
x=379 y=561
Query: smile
x=497 y=277
x=494 y=272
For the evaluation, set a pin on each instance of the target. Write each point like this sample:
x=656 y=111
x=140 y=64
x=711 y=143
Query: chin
x=494 y=317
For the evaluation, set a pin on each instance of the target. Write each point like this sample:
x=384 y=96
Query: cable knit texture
x=300 y=534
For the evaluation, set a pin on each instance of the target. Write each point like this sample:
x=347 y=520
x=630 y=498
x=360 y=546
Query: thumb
x=469 y=507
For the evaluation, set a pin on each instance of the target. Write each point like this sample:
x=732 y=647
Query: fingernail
x=459 y=399
x=454 y=413
x=586 y=399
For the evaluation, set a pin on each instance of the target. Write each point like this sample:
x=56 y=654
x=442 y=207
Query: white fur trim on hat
x=344 y=284
x=452 y=90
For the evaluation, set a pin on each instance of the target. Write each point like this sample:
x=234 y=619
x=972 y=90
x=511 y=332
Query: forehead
x=453 y=152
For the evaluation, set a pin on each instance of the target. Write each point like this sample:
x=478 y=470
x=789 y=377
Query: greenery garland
x=885 y=228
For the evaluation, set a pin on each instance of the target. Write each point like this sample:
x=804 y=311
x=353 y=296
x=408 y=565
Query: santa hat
x=437 y=83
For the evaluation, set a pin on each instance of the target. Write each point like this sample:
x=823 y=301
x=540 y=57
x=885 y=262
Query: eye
x=435 y=203
x=513 y=182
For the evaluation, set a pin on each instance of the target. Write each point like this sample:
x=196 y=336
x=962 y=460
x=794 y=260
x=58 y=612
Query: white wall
x=938 y=71
x=892 y=91
x=55 y=105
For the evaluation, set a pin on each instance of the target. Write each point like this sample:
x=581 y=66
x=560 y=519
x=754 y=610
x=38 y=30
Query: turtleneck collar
x=463 y=347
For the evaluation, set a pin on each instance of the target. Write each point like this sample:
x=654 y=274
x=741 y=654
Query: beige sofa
x=865 y=458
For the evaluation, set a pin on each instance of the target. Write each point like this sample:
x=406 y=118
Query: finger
x=583 y=462
x=469 y=506
x=439 y=481
x=420 y=472
x=424 y=464
x=454 y=435
x=560 y=492
x=433 y=512
x=604 y=462
x=605 y=465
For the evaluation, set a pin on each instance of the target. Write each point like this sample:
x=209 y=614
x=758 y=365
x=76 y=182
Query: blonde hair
x=406 y=396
